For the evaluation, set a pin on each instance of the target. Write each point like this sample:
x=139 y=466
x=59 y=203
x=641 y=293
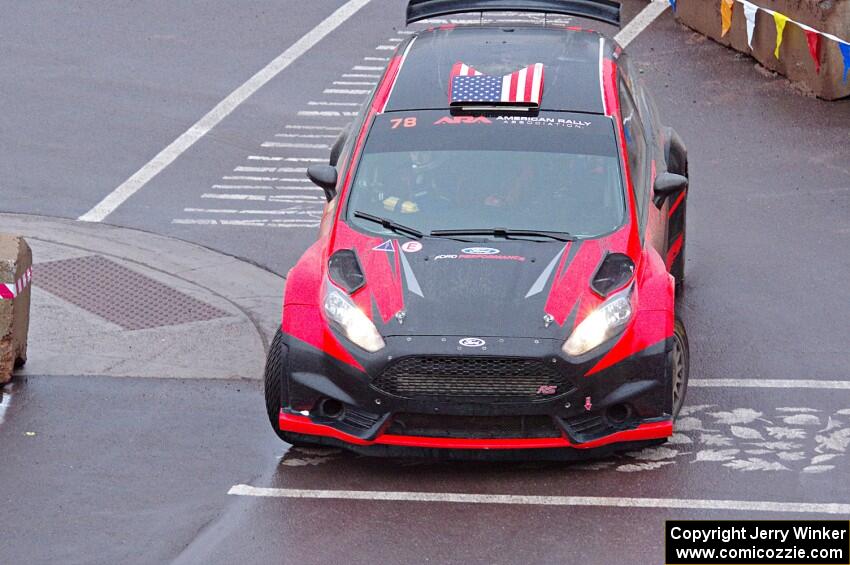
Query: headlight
x=600 y=326
x=351 y=320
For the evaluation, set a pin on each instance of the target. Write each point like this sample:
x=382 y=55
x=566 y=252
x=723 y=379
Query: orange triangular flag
x=726 y=15
x=813 y=39
x=780 y=21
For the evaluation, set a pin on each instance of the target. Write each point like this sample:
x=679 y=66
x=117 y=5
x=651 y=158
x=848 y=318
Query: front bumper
x=580 y=413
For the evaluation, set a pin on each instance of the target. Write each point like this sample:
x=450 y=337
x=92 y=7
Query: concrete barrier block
x=15 y=279
x=795 y=62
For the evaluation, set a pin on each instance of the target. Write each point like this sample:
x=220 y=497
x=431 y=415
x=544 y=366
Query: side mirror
x=324 y=176
x=667 y=185
x=336 y=148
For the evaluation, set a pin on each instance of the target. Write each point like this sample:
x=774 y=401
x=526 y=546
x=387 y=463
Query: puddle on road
x=786 y=438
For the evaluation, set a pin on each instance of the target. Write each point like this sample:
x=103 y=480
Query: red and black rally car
x=499 y=257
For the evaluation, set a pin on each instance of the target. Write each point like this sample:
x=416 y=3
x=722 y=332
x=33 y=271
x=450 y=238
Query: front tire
x=680 y=367
x=273 y=380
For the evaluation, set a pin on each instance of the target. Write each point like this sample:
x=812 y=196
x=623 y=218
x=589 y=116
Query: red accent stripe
x=674 y=251
x=676 y=204
x=514 y=86
x=529 y=81
x=383 y=92
x=303 y=425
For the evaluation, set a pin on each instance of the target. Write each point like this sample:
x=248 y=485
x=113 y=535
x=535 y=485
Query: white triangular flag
x=750 y=11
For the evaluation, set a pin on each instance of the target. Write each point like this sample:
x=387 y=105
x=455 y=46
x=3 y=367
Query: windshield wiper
x=389 y=224
x=506 y=233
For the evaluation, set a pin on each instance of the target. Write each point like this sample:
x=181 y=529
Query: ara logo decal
x=547 y=389
x=385 y=246
x=480 y=251
x=472 y=342
x=454 y=120
x=411 y=246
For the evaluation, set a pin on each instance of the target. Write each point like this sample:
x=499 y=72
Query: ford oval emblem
x=480 y=251
x=472 y=342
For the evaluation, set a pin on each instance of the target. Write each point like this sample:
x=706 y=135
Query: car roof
x=572 y=60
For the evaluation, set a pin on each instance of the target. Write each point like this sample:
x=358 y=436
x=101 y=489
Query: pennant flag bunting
x=780 y=21
x=845 y=52
x=813 y=36
x=726 y=15
x=673 y=4
x=813 y=39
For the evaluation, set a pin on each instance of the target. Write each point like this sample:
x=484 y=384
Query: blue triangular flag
x=845 y=52
x=385 y=246
x=673 y=3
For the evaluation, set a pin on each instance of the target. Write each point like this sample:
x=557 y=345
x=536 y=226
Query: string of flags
x=813 y=36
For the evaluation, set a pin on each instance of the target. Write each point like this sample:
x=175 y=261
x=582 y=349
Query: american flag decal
x=521 y=88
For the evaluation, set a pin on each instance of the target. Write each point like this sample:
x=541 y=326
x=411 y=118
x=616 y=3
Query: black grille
x=586 y=427
x=478 y=427
x=492 y=378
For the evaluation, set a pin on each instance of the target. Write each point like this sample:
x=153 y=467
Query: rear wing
x=607 y=11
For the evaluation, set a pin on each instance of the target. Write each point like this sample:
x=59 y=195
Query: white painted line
x=328 y=103
x=641 y=21
x=248 y=177
x=395 y=39
x=292 y=170
x=359 y=75
x=319 y=113
x=325 y=128
x=262 y=197
x=770 y=383
x=365 y=68
x=297 y=188
x=295 y=211
x=358 y=92
x=354 y=83
x=5 y=400
x=517 y=499
x=242 y=186
x=307 y=135
x=285 y=144
x=292 y=223
x=188 y=138
x=376 y=59
x=255 y=169
x=234 y=196
x=385 y=48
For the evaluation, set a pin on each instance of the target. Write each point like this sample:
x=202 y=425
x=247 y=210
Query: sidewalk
x=125 y=303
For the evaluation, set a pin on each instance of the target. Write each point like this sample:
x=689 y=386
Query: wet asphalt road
x=139 y=470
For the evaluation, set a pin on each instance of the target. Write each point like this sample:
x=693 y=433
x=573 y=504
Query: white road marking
x=291 y=159
x=307 y=135
x=286 y=144
x=243 y=186
x=187 y=139
x=298 y=188
x=376 y=59
x=292 y=223
x=5 y=400
x=328 y=103
x=292 y=170
x=247 y=177
x=365 y=68
x=325 y=128
x=771 y=383
x=535 y=500
x=395 y=39
x=262 y=197
x=359 y=75
x=297 y=211
x=354 y=83
x=385 y=48
x=641 y=21
x=255 y=169
x=351 y=91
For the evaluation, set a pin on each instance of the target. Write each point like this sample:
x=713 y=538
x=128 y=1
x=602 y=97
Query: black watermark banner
x=757 y=542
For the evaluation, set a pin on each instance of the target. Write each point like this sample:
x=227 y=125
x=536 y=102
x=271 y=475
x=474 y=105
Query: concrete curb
x=67 y=340
x=795 y=62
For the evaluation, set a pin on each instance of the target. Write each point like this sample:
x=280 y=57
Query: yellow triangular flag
x=780 y=28
x=726 y=15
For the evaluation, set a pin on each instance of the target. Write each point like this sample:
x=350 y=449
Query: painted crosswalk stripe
x=287 y=145
x=306 y=135
x=354 y=83
x=296 y=211
x=537 y=500
x=359 y=75
x=366 y=68
x=771 y=383
x=242 y=169
x=329 y=103
x=350 y=91
x=320 y=128
x=376 y=59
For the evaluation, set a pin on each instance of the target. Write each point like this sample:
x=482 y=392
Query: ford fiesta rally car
x=499 y=258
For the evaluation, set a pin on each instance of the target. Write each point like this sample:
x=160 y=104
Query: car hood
x=509 y=288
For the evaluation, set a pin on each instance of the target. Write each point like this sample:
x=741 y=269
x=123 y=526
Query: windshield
x=429 y=171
